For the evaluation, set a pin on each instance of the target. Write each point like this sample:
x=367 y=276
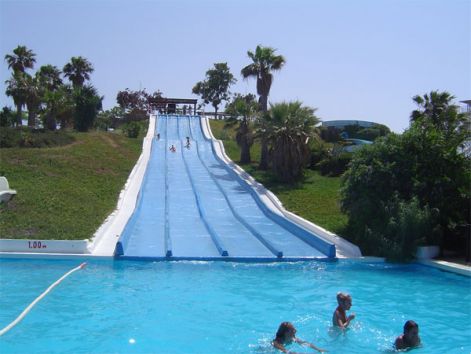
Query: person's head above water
x=410 y=337
x=286 y=332
x=344 y=300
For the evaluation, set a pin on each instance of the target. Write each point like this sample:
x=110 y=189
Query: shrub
x=7 y=117
x=132 y=129
x=335 y=164
x=29 y=138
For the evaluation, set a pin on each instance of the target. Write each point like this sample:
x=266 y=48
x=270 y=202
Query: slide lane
x=144 y=233
x=243 y=201
x=192 y=205
x=188 y=232
x=238 y=239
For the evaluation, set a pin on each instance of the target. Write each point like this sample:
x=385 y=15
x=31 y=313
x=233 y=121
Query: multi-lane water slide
x=192 y=205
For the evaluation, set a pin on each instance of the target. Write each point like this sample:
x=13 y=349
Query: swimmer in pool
x=410 y=338
x=286 y=334
x=339 y=318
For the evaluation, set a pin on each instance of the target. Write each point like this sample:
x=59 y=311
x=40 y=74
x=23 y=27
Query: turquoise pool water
x=219 y=307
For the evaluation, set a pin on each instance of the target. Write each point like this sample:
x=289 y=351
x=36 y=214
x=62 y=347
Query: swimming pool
x=224 y=307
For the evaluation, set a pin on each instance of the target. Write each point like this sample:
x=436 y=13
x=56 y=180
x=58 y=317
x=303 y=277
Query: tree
x=243 y=109
x=18 y=90
x=421 y=170
x=78 y=70
x=49 y=77
x=7 y=118
x=264 y=62
x=290 y=127
x=50 y=83
x=215 y=88
x=22 y=59
x=33 y=98
x=133 y=100
x=87 y=106
x=59 y=106
x=436 y=110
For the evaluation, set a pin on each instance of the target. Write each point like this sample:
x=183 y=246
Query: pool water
x=219 y=307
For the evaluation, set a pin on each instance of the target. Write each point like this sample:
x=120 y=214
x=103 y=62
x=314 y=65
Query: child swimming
x=339 y=318
x=410 y=338
x=286 y=334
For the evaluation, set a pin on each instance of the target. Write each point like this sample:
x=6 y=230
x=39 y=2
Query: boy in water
x=286 y=334
x=410 y=338
x=339 y=318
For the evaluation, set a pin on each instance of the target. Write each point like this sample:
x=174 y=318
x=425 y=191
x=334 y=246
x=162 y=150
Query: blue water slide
x=192 y=205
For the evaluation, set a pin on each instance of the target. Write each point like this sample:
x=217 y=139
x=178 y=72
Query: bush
x=7 y=118
x=33 y=138
x=132 y=129
x=319 y=151
x=335 y=164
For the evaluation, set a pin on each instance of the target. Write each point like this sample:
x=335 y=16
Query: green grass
x=316 y=198
x=65 y=192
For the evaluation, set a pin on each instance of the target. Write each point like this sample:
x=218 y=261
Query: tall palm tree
x=290 y=127
x=59 y=106
x=243 y=109
x=49 y=76
x=264 y=62
x=437 y=110
x=34 y=93
x=22 y=59
x=17 y=88
x=78 y=70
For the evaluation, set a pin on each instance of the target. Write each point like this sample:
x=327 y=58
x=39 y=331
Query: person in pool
x=339 y=318
x=410 y=338
x=286 y=334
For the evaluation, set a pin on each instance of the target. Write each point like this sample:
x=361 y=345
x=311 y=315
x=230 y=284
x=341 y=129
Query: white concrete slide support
x=105 y=238
x=344 y=248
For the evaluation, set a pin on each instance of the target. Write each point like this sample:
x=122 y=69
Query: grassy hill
x=65 y=192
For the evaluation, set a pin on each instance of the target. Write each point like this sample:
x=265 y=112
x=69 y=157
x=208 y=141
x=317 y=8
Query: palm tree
x=50 y=77
x=59 y=106
x=290 y=127
x=242 y=110
x=264 y=62
x=17 y=89
x=438 y=111
x=78 y=70
x=34 y=94
x=22 y=59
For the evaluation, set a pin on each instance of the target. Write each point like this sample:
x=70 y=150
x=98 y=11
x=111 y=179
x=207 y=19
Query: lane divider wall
x=168 y=242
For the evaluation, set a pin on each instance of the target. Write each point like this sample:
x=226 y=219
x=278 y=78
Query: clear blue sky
x=361 y=59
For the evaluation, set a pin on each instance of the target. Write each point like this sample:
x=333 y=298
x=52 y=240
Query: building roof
x=343 y=123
